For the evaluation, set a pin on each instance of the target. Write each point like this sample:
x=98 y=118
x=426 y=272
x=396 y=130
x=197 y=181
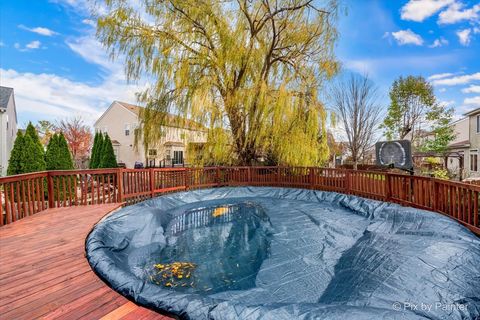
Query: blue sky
x=49 y=55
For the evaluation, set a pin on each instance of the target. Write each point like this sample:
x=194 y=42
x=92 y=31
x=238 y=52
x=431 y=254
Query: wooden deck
x=44 y=273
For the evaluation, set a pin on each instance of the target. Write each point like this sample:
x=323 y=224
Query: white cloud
x=453 y=81
x=442 y=89
x=472 y=101
x=49 y=96
x=419 y=10
x=92 y=51
x=439 y=42
x=33 y=45
x=30 y=46
x=53 y=97
x=447 y=103
x=404 y=37
x=471 y=89
x=440 y=76
x=464 y=36
x=89 y=22
x=39 y=30
x=376 y=66
x=455 y=14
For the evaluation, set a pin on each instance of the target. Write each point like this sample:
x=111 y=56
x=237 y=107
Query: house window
x=7 y=121
x=478 y=124
x=473 y=160
x=152 y=152
x=127 y=129
x=177 y=157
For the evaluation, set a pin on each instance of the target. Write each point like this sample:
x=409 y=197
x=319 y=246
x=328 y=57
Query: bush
x=27 y=154
x=15 y=161
x=36 y=149
x=58 y=156
x=108 y=159
x=95 y=157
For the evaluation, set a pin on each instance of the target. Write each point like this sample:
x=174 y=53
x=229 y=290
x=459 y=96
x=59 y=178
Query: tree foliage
x=27 y=154
x=440 y=118
x=96 y=151
x=58 y=156
x=77 y=135
x=248 y=70
x=37 y=150
x=355 y=101
x=15 y=161
x=32 y=156
x=107 y=156
x=411 y=101
x=45 y=130
x=414 y=110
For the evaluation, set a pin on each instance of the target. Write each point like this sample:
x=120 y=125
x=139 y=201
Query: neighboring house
x=455 y=161
x=421 y=136
x=8 y=126
x=465 y=149
x=120 y=121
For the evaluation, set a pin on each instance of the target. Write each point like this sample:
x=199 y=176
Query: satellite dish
x=397 y=154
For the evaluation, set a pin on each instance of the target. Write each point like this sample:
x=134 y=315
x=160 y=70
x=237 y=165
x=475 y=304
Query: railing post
x=152 y=182
x=249 y=175
x=388 y=188
x=120 y=184
x=433 y=196
x=217 y=175
x=185 y=175
x=311 y=173
x=50 y=190
x=348 y=187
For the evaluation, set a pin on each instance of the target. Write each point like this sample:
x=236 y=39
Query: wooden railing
x=27 y=194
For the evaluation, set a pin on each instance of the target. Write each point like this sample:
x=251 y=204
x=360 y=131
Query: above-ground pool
x=278 y=253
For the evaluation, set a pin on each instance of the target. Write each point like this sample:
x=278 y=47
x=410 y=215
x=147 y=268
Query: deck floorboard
x=44 y=273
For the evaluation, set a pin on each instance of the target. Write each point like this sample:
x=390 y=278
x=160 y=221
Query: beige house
x=464 y=150
x=121 y=119
x=8 y=126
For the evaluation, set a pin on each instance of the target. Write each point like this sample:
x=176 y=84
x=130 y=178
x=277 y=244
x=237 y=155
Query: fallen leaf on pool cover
x=219 y=211
x=172 y=274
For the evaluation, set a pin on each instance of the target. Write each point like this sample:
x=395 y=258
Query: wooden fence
x=27 y=194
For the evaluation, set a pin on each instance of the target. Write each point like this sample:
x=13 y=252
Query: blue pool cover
x=278 y=253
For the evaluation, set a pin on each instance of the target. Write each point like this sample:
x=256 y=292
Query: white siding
x=8 y=133
x=117 y=118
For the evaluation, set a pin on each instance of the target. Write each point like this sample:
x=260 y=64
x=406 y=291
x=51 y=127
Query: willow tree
x=248 y=70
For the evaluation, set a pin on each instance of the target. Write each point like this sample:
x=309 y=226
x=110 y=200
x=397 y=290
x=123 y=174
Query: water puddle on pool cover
x=214 y=249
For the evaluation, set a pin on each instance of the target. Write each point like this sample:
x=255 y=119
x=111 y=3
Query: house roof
x=473 y=112
x=460 y=144
x=5 y=94
x=171 y=119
